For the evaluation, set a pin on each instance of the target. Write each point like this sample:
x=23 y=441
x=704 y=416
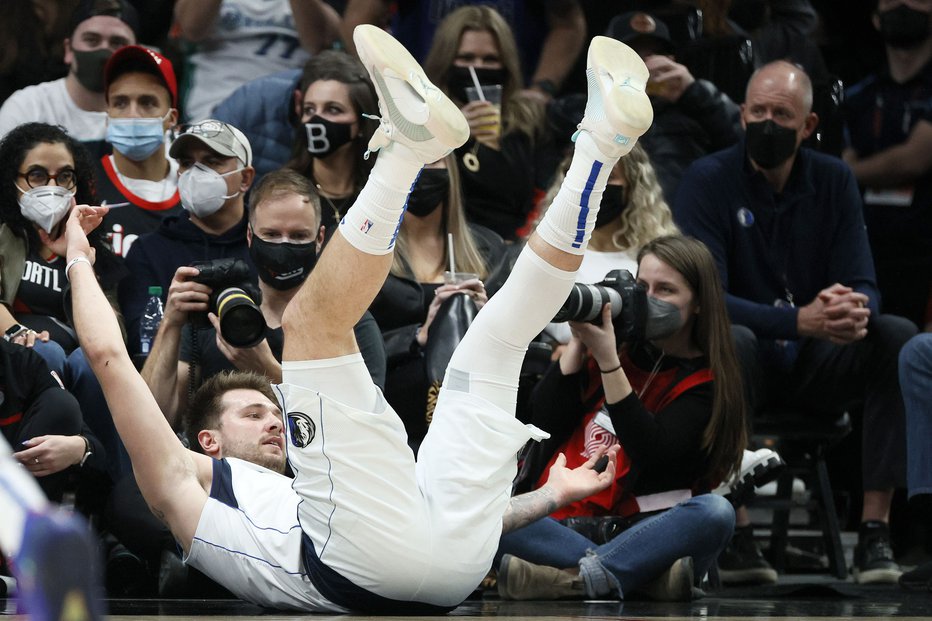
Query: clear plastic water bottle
x=151 y=318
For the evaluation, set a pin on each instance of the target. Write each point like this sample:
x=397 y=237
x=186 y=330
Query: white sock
x=570 y=219
x=372 y=223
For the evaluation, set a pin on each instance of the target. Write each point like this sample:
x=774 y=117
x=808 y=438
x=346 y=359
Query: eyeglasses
x=37 y=177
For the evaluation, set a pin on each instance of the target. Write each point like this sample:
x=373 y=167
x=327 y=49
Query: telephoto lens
x=585 y=303
x=241 y=320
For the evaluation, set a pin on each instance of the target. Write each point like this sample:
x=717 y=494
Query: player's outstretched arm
x=172 y=479
x=563 y=486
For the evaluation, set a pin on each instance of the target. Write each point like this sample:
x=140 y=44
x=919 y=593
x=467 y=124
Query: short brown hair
x=207 y=403
x=283 y=181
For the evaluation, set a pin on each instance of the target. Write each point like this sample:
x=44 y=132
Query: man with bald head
x=786 y=228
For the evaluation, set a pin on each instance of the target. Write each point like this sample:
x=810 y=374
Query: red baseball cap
x=137 y=58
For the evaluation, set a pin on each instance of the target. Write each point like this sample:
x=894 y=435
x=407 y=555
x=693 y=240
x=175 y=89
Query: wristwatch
x=13 y=331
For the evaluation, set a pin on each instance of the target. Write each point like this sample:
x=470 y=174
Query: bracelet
x=87 y=451
x=612 y=370
x=72 y=263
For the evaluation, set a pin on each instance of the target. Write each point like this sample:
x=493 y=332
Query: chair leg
x=831 y=530
x=779 y=529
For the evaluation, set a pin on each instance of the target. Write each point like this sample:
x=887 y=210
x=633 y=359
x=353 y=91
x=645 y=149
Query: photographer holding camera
x=673 y=400
x=284 y=236
x=215 y=172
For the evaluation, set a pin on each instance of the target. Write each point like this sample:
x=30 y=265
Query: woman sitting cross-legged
x=675 y=405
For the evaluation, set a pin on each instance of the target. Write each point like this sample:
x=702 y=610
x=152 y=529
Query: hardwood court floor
x=809 y=599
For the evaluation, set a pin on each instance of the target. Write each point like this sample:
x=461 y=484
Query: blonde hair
x=647 y=217
x=465 y=250
x=519 y=113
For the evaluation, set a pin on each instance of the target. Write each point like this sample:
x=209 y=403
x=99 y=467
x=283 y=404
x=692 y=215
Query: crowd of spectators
x=233 y=134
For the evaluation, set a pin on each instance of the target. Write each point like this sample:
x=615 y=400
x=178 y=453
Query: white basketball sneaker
x=414 y=112
x=618 y=111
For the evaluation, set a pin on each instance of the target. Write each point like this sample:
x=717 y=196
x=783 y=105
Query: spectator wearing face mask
x=142 y=96
x=889 y=127
x=284 y=237
x=44 y=173
x=215 y=166
x=99 y=28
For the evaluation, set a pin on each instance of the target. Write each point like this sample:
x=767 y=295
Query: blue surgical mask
x=135 y=138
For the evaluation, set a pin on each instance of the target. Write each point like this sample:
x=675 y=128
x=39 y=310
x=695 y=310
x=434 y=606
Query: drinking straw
x=475 y=81
x=450 y=252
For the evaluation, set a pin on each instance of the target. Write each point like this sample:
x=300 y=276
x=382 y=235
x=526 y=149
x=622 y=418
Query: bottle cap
x=155 y=291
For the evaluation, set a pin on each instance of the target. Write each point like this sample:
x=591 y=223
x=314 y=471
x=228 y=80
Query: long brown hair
x=518 y=113
x=725 y=437
x=467 y=255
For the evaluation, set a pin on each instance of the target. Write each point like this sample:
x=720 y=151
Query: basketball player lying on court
x=363 y=526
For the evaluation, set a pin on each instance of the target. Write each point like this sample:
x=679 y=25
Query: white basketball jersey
x=248 y=539
x=250 y=39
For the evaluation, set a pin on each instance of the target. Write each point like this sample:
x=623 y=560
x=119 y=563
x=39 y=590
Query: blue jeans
x=916 y=384
x=700 y=527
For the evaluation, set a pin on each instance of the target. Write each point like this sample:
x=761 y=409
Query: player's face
x=251 y=429
x=665 y=283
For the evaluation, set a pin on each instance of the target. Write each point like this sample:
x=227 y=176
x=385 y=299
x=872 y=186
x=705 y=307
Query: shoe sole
x=384 y=57
x=877 y=576
x=764 y=471
x=622 y=79
x=760 y=576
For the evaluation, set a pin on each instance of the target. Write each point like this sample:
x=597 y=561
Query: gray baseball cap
x=216 y=135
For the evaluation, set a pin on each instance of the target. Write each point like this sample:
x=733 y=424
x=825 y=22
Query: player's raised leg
x=467 y=462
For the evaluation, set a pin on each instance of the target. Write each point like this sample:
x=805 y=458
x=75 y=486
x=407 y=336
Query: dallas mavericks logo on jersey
x=745 y=217
x=302 y=429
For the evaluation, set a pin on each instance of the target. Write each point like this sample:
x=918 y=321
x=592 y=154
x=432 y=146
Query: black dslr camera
x=234 y=299
x=635 y=315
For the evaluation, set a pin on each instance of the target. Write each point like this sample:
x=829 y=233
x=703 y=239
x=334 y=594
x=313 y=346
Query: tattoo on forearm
x=528 y=508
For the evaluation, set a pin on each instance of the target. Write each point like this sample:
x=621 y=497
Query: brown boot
x=518 y=579
x=673 y=585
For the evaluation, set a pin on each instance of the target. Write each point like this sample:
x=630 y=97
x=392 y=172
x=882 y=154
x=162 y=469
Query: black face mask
x=90 y=69
x=283 y=265
x=324 y=137
x=432 y=189
x=459 y=80
x=769 y=144
x=614 y=202
x=904 y=27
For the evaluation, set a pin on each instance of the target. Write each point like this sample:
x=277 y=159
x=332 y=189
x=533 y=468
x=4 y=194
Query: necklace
x=336 y=210
x=652 y=375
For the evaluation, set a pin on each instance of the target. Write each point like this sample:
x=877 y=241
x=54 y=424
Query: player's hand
x=570 y=485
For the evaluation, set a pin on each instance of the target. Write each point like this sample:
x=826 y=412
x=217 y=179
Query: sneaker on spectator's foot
x=758 y=468
x=873 y=555
x=57 y=569
x=618 y=110
x=741 y=562
x=519 y=579
x=673 y=585
x=918 y=579
x=414 y=112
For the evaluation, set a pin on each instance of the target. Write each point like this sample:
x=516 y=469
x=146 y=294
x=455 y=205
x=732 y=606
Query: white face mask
x=202 y=190
x=46 y=205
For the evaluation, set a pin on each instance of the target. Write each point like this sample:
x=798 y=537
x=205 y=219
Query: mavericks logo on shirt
x=302 y=429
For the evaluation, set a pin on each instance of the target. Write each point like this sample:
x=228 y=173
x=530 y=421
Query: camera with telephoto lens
x=234 y=299
x=635 y=315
